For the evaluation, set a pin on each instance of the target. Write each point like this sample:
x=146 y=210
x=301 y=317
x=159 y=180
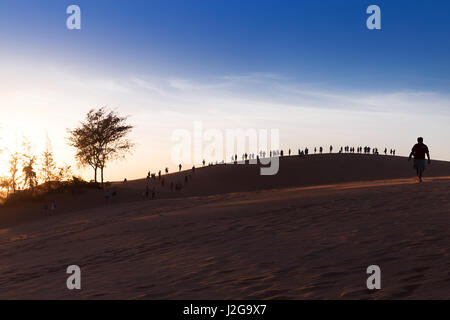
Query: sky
x=311 y=69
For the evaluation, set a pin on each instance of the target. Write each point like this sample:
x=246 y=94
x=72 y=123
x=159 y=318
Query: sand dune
x=297 y=171
x=294 y=171
x=311 y=236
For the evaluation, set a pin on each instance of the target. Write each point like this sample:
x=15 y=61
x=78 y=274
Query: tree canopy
x=100 y=138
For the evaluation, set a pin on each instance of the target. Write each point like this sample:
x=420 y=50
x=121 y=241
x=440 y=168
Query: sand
x=309 y=240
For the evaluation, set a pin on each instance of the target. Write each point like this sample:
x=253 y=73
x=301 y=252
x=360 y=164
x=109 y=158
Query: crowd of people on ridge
x=178 y=186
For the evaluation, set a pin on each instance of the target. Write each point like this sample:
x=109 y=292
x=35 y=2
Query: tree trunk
x=102 y=174
x=95 y=170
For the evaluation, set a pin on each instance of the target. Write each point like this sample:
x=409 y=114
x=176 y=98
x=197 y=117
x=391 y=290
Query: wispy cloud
x=255 y=76
x=191 y=85
x=105 y=84
x=148 y=85
x=268 y=89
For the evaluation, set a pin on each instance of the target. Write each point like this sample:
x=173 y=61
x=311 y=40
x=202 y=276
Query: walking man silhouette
x=419 y=151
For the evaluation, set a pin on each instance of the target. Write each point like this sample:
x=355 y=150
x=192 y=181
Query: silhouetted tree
x=4 y=185
x=28 y=170
x=48 y=165
x=102 y=137
x=13 y=170
x=29 y=173
x=63 y=173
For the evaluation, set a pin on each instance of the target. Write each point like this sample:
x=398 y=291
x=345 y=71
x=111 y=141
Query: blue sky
x=213 y=60
x=312 y=41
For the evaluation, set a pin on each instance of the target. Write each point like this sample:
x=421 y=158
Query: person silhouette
x=331 y=149
x=107 y=195
x=418 y=151
x=320 y=150
x=46 y=208
x=167 y=170
x=179 y=167
x=52 y=207
x=203 y=162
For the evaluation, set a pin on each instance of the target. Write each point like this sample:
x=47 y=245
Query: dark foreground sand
x=291 y=243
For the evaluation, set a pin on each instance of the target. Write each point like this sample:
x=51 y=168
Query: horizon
x=319 y=76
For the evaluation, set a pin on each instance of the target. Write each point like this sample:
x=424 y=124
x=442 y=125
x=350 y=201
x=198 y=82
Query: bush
x=74 y=186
